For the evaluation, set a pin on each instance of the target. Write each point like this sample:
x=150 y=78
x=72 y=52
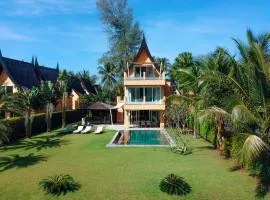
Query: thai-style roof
x=82 y=86
x=25 y=74
x=100 y=106
x=144 y=46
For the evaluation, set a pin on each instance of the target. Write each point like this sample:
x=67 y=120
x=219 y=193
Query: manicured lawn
x=115 y=173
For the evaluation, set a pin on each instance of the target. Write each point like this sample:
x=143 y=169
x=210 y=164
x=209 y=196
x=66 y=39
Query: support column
x=161 y=118
x=126 y=118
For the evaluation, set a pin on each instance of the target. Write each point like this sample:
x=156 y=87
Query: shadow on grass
x=17 y=161
x=38 y=143
x=235 y=168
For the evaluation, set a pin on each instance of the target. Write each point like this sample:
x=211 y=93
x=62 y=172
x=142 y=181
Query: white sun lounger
x=87 y=129
x=79 y=129
x=99 y=130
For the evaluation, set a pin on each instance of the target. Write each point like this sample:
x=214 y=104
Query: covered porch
x=144 y=119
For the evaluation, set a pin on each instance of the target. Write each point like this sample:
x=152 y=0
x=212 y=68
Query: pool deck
x=166 y=135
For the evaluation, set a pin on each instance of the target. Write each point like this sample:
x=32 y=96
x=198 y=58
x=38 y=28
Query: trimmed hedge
x=16 y=128
x=207 y=130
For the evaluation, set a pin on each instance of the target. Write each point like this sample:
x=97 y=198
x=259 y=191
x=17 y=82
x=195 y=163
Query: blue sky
x=70 y=32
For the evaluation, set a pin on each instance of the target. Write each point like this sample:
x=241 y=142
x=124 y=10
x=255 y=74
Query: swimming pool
x=141 y=137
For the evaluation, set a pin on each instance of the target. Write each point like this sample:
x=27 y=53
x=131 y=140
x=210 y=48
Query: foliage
x=124 y=35
x=59 y=184
x=50 y=100
x=15 y=125
x=24 y=103
x=62 y=84
x=236 y=92
x=176 y=115
x=174 y=185
x=182 y=141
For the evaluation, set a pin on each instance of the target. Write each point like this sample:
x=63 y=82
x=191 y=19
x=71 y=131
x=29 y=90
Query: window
x=137 y=71
x=9 y=89
x=135 y=94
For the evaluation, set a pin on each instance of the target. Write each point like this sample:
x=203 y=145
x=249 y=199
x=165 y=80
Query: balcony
x=144 y=80
x=144 y=105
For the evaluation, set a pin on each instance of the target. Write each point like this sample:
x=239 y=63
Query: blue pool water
x=141 y=137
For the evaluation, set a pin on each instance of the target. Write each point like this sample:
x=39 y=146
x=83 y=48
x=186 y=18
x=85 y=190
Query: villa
x=16 y=74
x=146 y=89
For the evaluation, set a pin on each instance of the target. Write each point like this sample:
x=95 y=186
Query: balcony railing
x=145 y=102
x=144 y=78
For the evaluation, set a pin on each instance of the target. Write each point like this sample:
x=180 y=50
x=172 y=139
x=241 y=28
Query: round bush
x=174 y=185
x=59 y=184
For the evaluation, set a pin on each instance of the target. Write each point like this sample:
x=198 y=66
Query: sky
x=70 y=31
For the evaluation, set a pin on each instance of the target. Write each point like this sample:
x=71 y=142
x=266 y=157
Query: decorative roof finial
x=33 y=60
x=57 y=66
x=36 y=62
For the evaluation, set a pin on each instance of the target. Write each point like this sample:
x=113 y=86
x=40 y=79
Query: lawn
x=116 y=173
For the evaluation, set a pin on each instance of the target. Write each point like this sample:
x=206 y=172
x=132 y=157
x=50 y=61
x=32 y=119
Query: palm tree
x=249 y=100
x=165 y=64
x=108 y=74
x=24 y=103
x=50 y=100
x=62 y=85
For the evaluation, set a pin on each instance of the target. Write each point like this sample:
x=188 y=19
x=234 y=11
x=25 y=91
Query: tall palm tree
x=49 y=99
x=108 y=74
x=249 y=102
x=62 y=85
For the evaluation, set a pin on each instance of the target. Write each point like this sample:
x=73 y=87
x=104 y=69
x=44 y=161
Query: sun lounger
x=87 y=129
x=99 y=130
x=80 y=128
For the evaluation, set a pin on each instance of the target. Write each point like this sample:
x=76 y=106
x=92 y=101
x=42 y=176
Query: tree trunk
x=195 y=126
x=27 y=123
x=64 y=110
x=49 y=110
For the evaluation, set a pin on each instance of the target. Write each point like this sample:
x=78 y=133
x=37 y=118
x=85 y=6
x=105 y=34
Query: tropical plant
x=182 y=141
x=174 y=185
x=108 y=74
x=59 y=184
x=50 y=100
x=62 y=85
x=24 y=103
x=165 y=64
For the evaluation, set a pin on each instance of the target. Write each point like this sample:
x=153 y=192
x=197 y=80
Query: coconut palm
x=24 y=103
x=249 y=102
x=108 y=74
x=49 y=99
x=62 y=85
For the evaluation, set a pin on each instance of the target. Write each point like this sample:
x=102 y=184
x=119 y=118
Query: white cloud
x=44 y=7
x=8 y=34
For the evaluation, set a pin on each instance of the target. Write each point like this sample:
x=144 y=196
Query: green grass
x=116 y=173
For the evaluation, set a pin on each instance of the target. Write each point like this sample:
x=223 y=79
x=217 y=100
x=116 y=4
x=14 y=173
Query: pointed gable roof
x=25 y=74
x=21 y=73
x=143 y=47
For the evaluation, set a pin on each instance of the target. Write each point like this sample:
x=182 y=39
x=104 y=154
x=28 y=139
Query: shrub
x=16 y=128
x=174 y=185
x=182 y=142
x=59 y=184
